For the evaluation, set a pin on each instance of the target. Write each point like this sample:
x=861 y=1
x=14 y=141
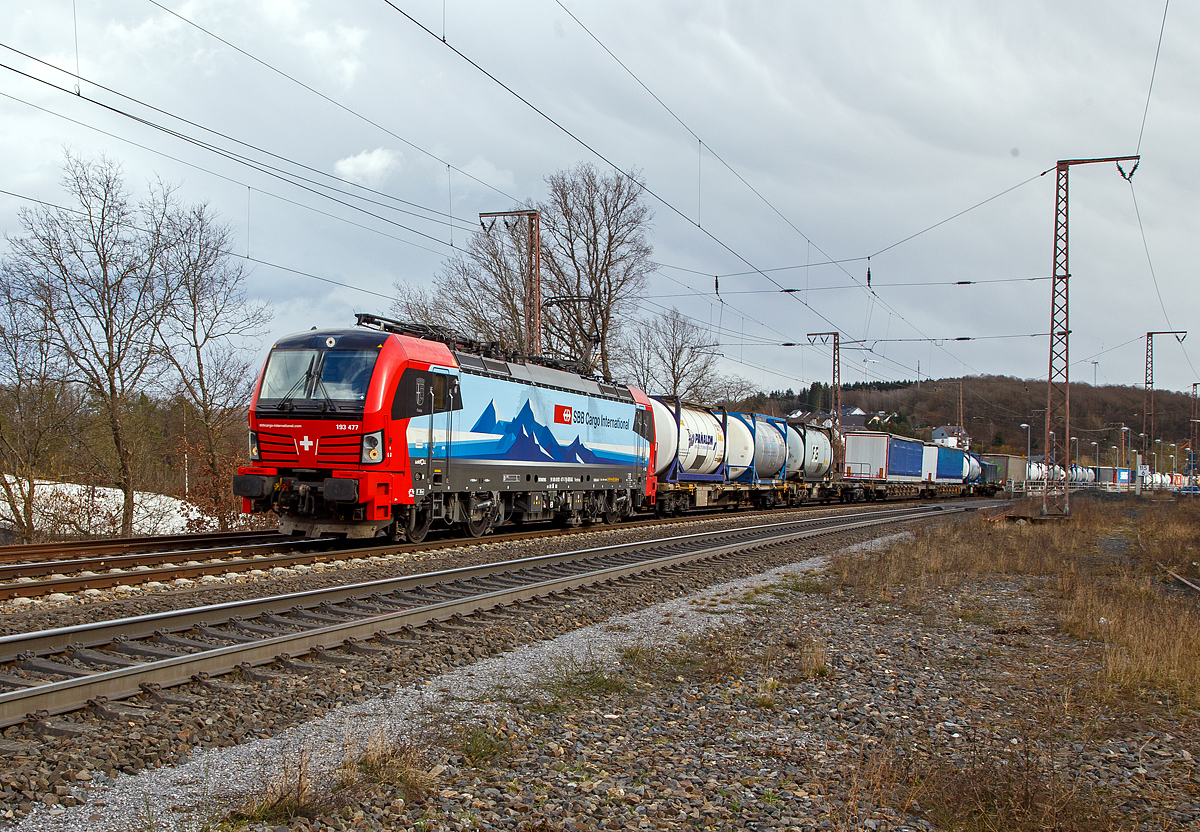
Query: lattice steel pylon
x=1192 y=456
x=1058 y=393
x=835 y=393
x=1148 y=394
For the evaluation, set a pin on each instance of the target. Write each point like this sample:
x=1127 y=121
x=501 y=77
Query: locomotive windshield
x=317 y=380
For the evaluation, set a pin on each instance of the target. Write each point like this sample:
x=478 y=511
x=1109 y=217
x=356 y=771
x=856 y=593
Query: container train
x=388 y=428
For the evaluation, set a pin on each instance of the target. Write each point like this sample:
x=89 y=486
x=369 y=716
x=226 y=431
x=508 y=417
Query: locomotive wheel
x=612 y=517
x=478 y=528
x=417 y=526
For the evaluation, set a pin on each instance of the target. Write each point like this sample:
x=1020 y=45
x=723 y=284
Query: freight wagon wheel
x=418 y=525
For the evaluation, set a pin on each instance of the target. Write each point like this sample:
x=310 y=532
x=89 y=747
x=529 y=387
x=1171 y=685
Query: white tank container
x=666 y=436
x=818 y=454
x=809 y=455
x=698 y=442
x=974 y=470
x=795 y=454
x=763 y=448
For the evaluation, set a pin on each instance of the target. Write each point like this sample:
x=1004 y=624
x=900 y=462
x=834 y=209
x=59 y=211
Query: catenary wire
x=1154 y=277
x=220 y=176
x=885 y=286
x=332 y=101
x=717 y=156
x=342 y=183
x=1150 y=88
x=261 y=167
x=219 y=251
x=670 y=206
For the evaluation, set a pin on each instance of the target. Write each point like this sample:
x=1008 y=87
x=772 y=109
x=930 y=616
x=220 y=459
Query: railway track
x=134 y=561
x=74 y=549
x=61 y=670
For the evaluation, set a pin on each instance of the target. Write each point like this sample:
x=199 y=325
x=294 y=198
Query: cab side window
x=421 y=392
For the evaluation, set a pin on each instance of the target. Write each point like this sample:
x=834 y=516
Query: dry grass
x=385 y=761
x=288 y=793
x=1109 y=584
x=1100 y=576
x=1150 y=640
x=1018 y=792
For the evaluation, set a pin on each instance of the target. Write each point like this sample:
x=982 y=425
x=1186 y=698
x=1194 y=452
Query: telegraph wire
x=332 y=101
x=220 y=176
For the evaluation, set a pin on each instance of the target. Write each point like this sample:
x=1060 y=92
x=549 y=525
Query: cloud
x=370 y=168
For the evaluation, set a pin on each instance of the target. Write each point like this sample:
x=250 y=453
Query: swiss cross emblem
x=562 y=414
x=306 y=443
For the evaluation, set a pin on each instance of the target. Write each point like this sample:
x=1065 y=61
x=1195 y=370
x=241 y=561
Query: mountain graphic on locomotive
x=388 y=428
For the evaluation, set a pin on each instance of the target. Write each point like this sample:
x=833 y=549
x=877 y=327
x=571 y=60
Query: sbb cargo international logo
x=562 y=414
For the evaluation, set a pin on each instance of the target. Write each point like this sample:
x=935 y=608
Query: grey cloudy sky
x=859 y=123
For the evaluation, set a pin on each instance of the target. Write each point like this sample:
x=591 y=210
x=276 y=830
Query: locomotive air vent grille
x=277 y=447
x=341 y=448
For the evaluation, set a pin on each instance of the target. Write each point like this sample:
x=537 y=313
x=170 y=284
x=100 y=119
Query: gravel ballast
x=739 y=727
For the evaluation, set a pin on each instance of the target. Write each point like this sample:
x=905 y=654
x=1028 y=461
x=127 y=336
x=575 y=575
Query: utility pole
x=1058 y=393
x=533 y=276
x=1192 y=446
x=835 y=393
x=1148 y=395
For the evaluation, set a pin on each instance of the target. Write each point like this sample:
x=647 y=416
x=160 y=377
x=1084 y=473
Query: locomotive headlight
x=254 y=454
x=372 y=448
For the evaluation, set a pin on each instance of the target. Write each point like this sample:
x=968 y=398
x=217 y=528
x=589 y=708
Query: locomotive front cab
x=323 y=456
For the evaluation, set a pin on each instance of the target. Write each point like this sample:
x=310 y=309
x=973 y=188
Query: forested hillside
x=996 y=406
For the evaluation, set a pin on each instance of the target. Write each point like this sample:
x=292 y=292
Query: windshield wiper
x=286 y=402
x=328 y=404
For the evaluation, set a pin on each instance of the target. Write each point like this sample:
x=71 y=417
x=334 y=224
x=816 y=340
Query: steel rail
x=79 y=582
x=68 y=575
x=35 y=569
x=71 y=694
x=97 y=633
x=24 y=551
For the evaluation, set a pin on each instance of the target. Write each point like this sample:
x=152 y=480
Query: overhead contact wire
x=332 y=101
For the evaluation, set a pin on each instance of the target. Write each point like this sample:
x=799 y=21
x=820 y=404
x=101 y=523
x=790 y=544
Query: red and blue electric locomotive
x=388 y=428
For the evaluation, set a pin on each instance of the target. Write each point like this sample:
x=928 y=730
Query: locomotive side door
x=446 y=398
x=427 y=399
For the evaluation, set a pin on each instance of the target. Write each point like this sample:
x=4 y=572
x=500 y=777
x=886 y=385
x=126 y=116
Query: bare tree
x=595 y=259
x=96 y=276
x=595 y=247
x=37 y=410
x=203 y=334
x=670 y=355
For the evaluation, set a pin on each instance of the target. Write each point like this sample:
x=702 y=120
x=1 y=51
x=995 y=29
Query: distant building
x=852 y=418
x=952 y=436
